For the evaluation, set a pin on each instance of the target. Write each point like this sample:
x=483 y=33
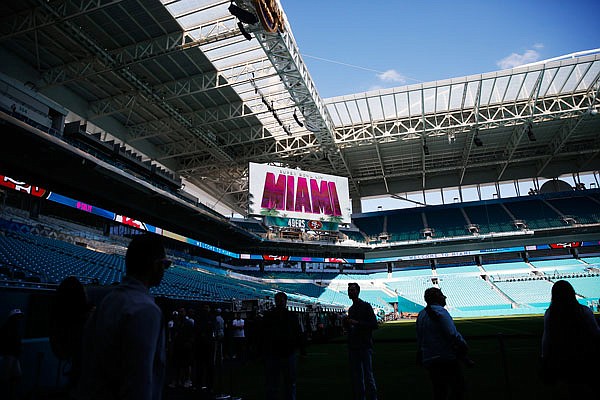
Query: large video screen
x=296 y=194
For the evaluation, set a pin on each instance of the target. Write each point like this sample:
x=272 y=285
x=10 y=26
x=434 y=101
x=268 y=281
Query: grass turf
x=509 y=374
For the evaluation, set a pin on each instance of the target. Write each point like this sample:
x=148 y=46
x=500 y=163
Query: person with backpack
x=123 y=353
x=441 y=348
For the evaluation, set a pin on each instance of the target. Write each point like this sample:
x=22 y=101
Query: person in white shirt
x=239 y=338
x=441 y=348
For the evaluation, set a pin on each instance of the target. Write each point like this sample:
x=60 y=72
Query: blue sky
x=395 y=43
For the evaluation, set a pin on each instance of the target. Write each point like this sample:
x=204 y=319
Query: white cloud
x=391 y=75
x=538 y=46
x=514 y=60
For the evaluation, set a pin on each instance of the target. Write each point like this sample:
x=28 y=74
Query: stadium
x=201 y=123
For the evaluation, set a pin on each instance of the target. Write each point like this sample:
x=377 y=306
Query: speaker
x=34 y=209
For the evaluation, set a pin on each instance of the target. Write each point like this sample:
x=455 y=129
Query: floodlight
x=478 y=142
x=529 y=132
x=245 y=16
x=451 y=137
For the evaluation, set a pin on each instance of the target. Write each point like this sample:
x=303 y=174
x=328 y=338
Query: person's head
x=280 y=300
x=71 y=296
x=563 y=294
x=434 y=295
x=353 y=290
x=146 y=259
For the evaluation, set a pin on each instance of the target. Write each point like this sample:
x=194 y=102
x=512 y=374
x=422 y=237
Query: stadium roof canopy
x=179 y=81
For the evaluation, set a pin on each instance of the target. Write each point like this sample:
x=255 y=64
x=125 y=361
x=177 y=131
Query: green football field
x=506 y=351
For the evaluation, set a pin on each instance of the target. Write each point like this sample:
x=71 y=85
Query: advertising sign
x=292 y=193
x=307 y=225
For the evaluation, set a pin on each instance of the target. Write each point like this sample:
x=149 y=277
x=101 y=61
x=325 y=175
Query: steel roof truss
x=38 y=17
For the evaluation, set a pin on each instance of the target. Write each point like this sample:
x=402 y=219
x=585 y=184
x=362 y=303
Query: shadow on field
x=506 y=352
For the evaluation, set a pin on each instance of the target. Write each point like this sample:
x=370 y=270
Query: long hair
x=565 y=312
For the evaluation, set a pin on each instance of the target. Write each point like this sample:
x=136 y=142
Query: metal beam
x=162 y=46
x=37 y=18
x=570 y=126
x=137 y=83
x=474 y=166
x=558 y=141
x=281 y=49
x=551 y=108
x=387 y=188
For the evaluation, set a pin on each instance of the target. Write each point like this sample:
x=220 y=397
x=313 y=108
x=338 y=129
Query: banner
x=304 y=224
x=292 y=193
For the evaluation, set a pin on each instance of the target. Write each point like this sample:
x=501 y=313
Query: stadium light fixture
x=529 y=132
x=478 y=142
x=244 y=16
x=451 y=137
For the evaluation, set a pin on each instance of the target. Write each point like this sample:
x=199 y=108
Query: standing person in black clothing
x=360 y=324
x=70 y=312
x=282 y=337
x=203 y=342
x=10 y=351
x=570 y=343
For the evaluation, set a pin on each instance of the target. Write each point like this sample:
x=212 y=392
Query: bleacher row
x=556 y=210
x=491 y=289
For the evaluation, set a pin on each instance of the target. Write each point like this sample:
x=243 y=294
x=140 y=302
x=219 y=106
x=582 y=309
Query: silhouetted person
x=218 y=355
x=71 y=310
x=204 y=348
x=183 y=347
x=282 y=338
x=238 y=337
x=124 y=340
x=570 y=342
x=360 y=323
x=441 y=347
x=10 y=351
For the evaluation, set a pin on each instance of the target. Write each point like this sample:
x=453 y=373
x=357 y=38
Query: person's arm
x=141 y=331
